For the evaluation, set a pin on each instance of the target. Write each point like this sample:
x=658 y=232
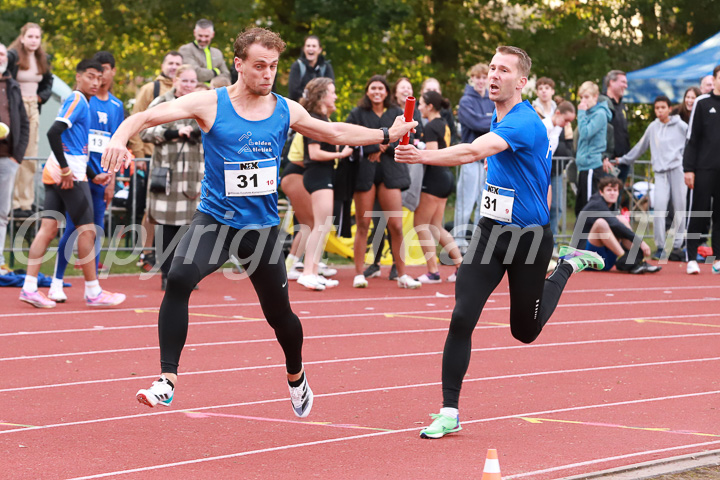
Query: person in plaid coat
x=178 y=146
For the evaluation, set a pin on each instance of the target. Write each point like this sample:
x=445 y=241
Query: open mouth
x=494 y=88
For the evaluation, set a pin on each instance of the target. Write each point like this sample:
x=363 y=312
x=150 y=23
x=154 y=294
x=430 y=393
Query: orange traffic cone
x=492 y=466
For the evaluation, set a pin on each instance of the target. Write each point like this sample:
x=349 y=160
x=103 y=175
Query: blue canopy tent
x=673 y=76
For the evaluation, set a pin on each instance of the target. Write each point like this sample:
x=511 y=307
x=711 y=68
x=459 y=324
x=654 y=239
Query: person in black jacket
x=311 y=64
x=701 y=164
x=13 y=142
x=30 y=67
x=601 y=230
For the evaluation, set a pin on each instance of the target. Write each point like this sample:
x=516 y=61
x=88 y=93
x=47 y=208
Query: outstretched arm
x=200 y=106
x=339 y=133
x=482 y=147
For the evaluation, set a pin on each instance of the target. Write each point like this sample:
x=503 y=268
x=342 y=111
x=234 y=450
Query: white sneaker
x=453 y=277
x=294 y=274
x=161 y=391
x=301 y=399
x=360 y=281
x=56 y=294
x=311 y=282
x=329 y=283
x=716 y=267
x=406 y=281
x=693 y=268
x=325 y=270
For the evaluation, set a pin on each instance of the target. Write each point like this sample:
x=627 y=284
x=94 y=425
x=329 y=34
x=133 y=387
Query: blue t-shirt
x=75 y=113
x=242 y=162
x=525 y=166
x=105 y=118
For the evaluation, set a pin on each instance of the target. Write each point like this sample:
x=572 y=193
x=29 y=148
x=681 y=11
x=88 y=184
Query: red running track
x=625 y=372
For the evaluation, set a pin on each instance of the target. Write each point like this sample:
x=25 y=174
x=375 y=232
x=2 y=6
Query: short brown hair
x=478 y=70
x=609 y=181
x=524 y=61
x=263 y=36
x=566 y=107
x=716 y=70
x=545 y=81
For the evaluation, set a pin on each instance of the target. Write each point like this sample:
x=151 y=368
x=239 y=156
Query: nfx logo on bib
x=252 y=177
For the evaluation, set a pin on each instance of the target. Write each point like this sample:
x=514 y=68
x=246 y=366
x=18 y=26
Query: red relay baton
x=409 y=113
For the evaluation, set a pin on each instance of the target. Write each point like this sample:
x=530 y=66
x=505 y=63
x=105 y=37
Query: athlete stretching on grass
x=513 y=236
x=244 y=129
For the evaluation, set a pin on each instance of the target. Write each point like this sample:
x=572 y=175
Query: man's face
x=545 y=92
x=312 y=49
x=662 y=111
x=590 y=99
x=707 y=84
x=203 y=36
x=3 y=59
x=170 y=65
x=88 y=81
x=258 y=69
x=185 y=82
x=618 y=86
x=504 y=78
x=610 y=194
x=108 y=76
x=479 y=83
x=716 y=83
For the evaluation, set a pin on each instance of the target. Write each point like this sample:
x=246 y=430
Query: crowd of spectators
x=330 y=176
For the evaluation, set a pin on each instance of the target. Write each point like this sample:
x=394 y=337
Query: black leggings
x=167 y=239
x=532 y=297
x=203 y=249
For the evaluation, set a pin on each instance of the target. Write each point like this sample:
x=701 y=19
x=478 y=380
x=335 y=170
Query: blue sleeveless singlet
x=242 y=160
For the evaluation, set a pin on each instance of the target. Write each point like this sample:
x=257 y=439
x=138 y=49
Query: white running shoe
x=301 y=399
x=294 y=274
x=161 y=392
x=716 y=267
x=693 y=268
x=56 y=294
x=453 y=277
x=311 y=282
x=406 y=281
x=360 y=281
x=325 y=270
x=329 y=283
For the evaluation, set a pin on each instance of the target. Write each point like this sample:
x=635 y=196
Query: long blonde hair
x=24 y=55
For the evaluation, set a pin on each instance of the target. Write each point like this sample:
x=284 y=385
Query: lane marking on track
x=191 y=414
x=416 y=385
x=646 y=320
x=354 y=359
x=210 y=315
x=606 y=459
x=100 y=328
x=392 y=315
x=362 y=299
x=18 y=425
x=416 y=429
x=612 y=425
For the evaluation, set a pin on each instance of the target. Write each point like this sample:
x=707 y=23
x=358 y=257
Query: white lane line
x=606 y=459
x=310 y=337
x=34 y=313
x=344 y=360
x=101 y=328
x=406 y=430
x=400 y=387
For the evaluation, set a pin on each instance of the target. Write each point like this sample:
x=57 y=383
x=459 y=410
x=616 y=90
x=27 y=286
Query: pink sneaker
x=105 y=299
x=36 y=299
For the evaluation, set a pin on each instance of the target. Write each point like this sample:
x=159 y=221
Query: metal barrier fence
x=559 y=170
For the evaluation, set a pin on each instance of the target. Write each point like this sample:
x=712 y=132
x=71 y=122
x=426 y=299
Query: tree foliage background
x=570 y=41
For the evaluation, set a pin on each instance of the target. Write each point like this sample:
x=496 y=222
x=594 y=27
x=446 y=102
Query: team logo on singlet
x=102 y=118
x=248 y=145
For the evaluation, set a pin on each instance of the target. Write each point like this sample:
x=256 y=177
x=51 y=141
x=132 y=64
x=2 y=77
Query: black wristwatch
x=386 y=135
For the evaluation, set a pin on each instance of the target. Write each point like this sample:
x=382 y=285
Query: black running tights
x=203 y=249
x=495 y=249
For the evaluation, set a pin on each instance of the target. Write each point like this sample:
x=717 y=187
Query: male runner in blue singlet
x=244 y=129
x=513 y=234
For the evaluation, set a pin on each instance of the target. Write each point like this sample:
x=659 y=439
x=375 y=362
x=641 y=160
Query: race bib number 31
x=98 y=140
x=254 y=178
x=497 y=203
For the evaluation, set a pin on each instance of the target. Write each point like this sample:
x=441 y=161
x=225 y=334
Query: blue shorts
x=607 y=255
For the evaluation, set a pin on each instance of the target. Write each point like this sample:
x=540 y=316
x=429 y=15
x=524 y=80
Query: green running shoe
x=441 y=426
x=579 y=260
